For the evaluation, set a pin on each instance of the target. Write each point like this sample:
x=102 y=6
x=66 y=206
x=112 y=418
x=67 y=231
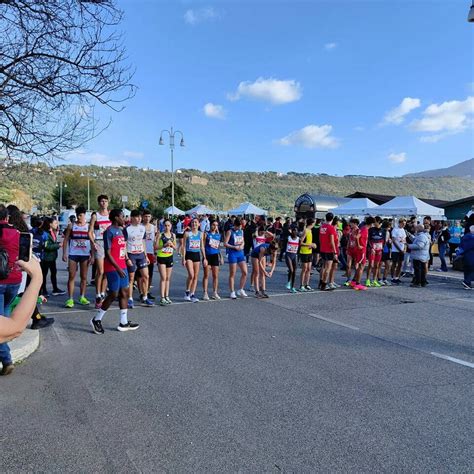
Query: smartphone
x=26 y=245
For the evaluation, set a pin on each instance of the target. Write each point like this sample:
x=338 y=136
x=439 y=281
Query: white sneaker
x=193 y=299
x=233 y=295
x=187 y=297
x=216 y=296
x=242 y=293
x=205 y=297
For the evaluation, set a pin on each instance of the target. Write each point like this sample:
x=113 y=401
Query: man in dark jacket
x=466 y=249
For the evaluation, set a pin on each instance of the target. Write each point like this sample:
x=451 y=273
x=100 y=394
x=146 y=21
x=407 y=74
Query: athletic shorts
x=360 y=256
x=179 y=236
x=291 y=257
x=236 y=257
x=79 y=258
x=375 y=257
x=99 y=249
x=306 y=257
x=193 y=256
x=328 y=256
x=386 y=256
x=167 y=261
x=213 y=259
x=151 y=257
x=115 y=282
x=138 y=262
x=397 y=257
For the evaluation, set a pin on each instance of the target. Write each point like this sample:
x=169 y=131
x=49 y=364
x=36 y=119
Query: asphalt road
x=339 y=381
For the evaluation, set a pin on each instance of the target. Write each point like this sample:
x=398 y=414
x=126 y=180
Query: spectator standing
x=443 y=238
x=50 y=255
x=466 y=249
x=420 y=250
x=456 y=234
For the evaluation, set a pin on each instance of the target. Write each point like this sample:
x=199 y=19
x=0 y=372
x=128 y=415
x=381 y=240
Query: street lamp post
x=172 y=134
x=88 y=188
x=61 y=185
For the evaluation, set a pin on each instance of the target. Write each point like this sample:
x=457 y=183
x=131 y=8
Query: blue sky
x=339 y=87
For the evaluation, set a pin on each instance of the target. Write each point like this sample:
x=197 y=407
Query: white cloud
x=133 y=154
x=397 y=115
x=214 y=111
x=330 y=46
x=397 y=157
x=311 y=136
x=359 y=128
x=271 y=90
x=81 y=157
x=193 y=17
x=447 y=118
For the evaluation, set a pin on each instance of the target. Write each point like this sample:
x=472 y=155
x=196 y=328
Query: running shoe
x=347 y=283
x=163 y=302
x=294 y=290
x=98 y=302
x=147 y=303
x=258 y=295
x=352 y=284
x=242 y=293
x=376 y=284
x=84 y=301
x=187 y=297
x=167 y=298
x=216 y=296
x=58 y=292
x=127 y=327
x=335 y=285
x=466 y=286
x=367 y=283
x=69 y=303
x=130 y=304
x=42 y=322
x=302 y=289
x=97 y=326
x=150 y=297
x=194 y=299
x=360 y=287
x=288 y=286
x=308 y=288
x=264 y=295
x=233 y=296
x=205 y=297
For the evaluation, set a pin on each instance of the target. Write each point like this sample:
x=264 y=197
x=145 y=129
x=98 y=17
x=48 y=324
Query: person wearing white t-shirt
x=399 y=242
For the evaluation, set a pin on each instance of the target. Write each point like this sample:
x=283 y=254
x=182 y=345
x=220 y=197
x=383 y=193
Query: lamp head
x=161 y=142
x=470 y=16
x=181 y=143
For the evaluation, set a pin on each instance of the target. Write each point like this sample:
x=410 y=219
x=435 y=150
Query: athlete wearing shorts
x=212 y=240
x=194 y=247
x=291 y=257
x=376 y=245
x=165 y=246
x=234 y=243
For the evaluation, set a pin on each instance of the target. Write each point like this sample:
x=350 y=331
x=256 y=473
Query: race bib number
x=238 y=240
x=136 y=248
x=194 y=244
x=79 y=244
x=292 y=248
x=123 y=253
x=214 y=243
x=377 y=246
x=102 y=229
x=167 y=250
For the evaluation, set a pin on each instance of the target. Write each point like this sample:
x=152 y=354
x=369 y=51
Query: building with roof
x=456 y=210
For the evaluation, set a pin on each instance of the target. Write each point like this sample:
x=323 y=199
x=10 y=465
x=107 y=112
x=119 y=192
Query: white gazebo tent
x=247 y=208
x=409 y=206
x=355 y=207
x=173 y=211
x=200 y=209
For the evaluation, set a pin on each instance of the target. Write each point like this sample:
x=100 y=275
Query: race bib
x=194 y=244
x=167 y=250
x=238 y=240
x=214 y=243
x=377 y=246
x=102 y=229
x=136 y=248
x=123 y=253
x=292 y=248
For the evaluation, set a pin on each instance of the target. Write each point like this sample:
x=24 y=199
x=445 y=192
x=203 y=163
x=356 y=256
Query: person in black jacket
x=443 y=239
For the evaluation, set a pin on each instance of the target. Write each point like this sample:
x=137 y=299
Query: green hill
x=221 y=190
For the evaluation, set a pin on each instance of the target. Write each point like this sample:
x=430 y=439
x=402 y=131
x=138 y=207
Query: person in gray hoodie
x=420 y=252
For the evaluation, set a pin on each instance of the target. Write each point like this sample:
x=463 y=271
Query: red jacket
x=10 y=241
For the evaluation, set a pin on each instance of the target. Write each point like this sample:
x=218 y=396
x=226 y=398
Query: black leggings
x=45 y=266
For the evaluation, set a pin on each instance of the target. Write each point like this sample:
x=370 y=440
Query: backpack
x=4 y=267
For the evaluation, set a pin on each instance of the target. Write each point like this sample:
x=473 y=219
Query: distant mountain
x=465 y=169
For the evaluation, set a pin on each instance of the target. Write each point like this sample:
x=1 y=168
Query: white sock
x=100 y=314
x=123 y=316
x=98 y=295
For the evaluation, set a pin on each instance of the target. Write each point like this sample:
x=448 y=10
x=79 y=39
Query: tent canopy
x=174 y=211
x=409 y=205
x=247 y=208
x=200 y=209
x=355 y=207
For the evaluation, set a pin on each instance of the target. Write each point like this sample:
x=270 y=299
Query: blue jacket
x=420 y=248
x=466 y=249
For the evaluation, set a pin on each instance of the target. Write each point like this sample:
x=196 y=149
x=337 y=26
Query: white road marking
x=453 y=359
x=334 y=322
x=61 y=334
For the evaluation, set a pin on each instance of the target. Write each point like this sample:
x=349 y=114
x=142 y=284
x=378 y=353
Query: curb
x=23 y=346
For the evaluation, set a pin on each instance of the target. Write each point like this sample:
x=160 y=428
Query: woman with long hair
x=51 y=246
x=259 y=264
x=193 y=250
x=165 y=245
x=234 y=242
x=214 y=258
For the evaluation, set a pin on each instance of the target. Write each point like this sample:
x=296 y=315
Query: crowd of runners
x=127 y=257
